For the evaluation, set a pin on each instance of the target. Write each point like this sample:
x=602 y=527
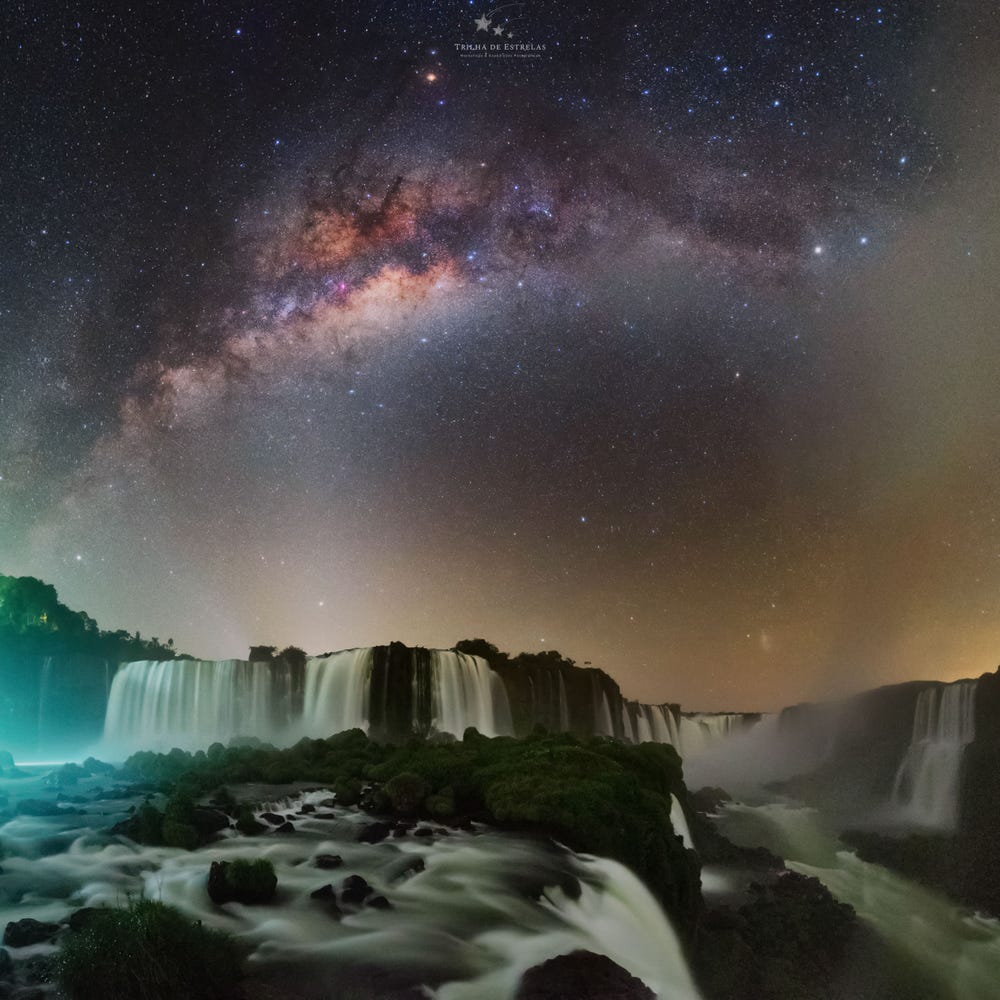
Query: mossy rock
x=242 y=881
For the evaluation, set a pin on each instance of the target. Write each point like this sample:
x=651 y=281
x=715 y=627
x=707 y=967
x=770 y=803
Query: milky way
x=667 y=345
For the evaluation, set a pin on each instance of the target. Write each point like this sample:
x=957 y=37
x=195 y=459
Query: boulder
x=354 y=890
x=375 y=832
x=328 y=861
x=21 y=933
x=581 y=975
x=324 y=892
x=273 y=818
x=209 y=822
x=79 y=919
x=241 y=882
x=285 y=827
x=95 y=766
x=378 y=903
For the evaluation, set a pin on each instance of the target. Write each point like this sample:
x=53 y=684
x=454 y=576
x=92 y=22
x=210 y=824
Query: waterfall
x=925 y=791
x=188 y=703
x=338 y=692
x=679 y=822
x=563 y=706
x=193 y=703
x=466 y=692
x=602 y=715
x=699 y=732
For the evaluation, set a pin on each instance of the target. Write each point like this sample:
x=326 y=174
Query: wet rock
x=79 y=919
x=285 y=827
x=95 y=766
x=324 y=892
x=70 y=774
x=375 y=832
x=328 y=861
x=354 y=890
x=583 y=976
x=6 y=964
x=328 y=803
x=324 y=815
x=408 y=865
x=229 y=885
x=423 y=831
x=379 y=903
x=273 y=818
x=21 y=933
x=209 y=822
x=307 y=808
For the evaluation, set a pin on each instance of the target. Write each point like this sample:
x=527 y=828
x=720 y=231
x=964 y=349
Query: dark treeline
x=34 y=621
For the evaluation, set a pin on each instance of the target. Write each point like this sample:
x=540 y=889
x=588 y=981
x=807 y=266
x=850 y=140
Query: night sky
x=670 y=341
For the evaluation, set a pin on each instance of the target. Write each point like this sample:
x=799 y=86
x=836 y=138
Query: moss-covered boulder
x=242 y=881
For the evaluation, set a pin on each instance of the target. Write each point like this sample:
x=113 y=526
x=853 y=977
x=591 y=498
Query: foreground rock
x=581 y=975
x=241 y=882
x=21 y=933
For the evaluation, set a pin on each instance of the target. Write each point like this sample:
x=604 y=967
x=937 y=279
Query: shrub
x=147 y=951
x=406 y=791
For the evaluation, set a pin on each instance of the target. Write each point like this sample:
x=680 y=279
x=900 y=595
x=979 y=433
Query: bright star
x=483 y=23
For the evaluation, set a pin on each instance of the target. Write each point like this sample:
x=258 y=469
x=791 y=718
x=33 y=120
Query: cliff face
x=52 y=705
x=852 y=748
x=978 y=832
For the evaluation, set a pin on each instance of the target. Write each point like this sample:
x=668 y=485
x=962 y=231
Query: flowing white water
x=603 y=715
x=956 y=951
x=679 y=822
x=191 y=704
x=467 y=926
x=188 y=703
x=466 y=692
x=698 y=733
x=337 y=693
x=563 y=706
x=925 y=792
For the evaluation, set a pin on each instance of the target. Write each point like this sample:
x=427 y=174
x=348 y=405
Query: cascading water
x=925 y=792
x=470 y=913
x=679 y=822
x=563 y=706
x=337 y=693
x=466 y=692
x=700 y=732
x=191 y=703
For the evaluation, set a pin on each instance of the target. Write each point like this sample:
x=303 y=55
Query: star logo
x=498 y=30
x=483 y=23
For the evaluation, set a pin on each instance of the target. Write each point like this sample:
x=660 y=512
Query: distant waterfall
x=699 y=732
x=679 y=822
x=193 y=703
x=926 y=787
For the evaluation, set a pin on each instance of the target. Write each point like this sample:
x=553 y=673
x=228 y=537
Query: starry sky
x=662 y=334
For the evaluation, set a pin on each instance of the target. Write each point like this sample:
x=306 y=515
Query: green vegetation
x=592 y=795
x=33 y=620
x=252 y=881
x=147 y=951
